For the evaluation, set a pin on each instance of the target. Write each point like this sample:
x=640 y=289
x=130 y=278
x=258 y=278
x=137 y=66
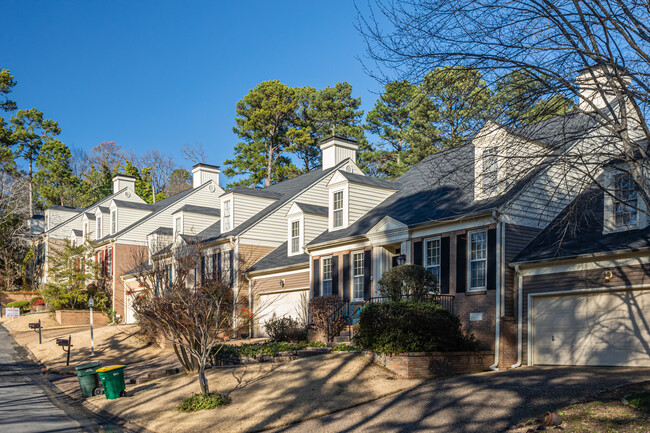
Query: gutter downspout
x=235 y=292
x=250 y=305
x=520 y=315
x=494 y=367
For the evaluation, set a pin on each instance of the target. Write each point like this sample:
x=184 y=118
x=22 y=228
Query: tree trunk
x=31 y=186
x=269 y=167
x=203 y=381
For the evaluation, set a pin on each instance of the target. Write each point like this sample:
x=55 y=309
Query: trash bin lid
x=88 y=365
x=109 y=368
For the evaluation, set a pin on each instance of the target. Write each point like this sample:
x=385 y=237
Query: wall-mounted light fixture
x=401 y=259
x=282 y=282
x=608 y=276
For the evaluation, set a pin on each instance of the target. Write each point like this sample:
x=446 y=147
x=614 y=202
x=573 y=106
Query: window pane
x=338 y=200
x=478 y=274
x=295 y=245
x=625 y=200
x=433 y=253
x=478 y=246
x=338 y=218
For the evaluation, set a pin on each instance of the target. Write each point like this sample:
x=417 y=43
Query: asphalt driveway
x=486 y=402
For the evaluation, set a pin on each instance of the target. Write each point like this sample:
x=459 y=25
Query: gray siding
x=517 y=237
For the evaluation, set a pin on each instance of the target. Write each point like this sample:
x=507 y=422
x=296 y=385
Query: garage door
x=282 y=304
x=605 y=329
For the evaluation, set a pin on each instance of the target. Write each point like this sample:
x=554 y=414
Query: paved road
x=28 y=403
x=486 y=402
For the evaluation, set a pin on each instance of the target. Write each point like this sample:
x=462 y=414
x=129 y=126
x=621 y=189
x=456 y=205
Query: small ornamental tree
x=408 y=281
x=75 y=277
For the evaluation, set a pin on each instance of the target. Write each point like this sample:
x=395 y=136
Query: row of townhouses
x=541 y=266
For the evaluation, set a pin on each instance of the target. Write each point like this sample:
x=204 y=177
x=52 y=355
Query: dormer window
x=178 y=225
x=490 y=170
x=227 y=216
x=86 y=234
x=294 y=237
x=113 y=222
x=98 y=229
x=337 y=209
x=625 y=201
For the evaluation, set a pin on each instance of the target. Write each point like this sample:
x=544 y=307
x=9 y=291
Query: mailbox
x=62 y=342
x=34 y=325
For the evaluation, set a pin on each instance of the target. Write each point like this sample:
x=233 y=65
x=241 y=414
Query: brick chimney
x=202 y=173
x=336 y=149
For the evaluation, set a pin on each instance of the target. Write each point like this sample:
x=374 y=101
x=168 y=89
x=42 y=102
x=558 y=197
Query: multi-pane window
x=490 y=170
x=86 y=233
x=326 y=288
x=226 y=216
x=625 y=200
x=178 y=226
x=98 y=229
x=478 y=260
x=337 y=206
x=432 y=257
x=357 y=275
x=109 y=262
x=225 y=268
x=113 y=222
x=295 y=237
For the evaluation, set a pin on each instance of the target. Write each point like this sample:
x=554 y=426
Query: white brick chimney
x=596 y=79
x=336 y=149
x=202 y=173
x=121 y=181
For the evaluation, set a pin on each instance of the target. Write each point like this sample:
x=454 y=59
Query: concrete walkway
x=28 y=403
x=486 y=402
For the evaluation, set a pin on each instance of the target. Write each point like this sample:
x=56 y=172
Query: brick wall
x=423 y=365
x=125 y=258
x=7 y=297
x=481 y=302
x=80 y=317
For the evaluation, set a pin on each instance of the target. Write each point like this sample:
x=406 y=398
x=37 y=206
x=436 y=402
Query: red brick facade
x=424 y=365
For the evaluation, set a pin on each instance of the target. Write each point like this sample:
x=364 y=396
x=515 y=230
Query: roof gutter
x=578 y=258
x=260 y=272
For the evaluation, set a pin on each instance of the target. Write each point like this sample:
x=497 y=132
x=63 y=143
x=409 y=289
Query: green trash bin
x=112 y=377
x=88 y=379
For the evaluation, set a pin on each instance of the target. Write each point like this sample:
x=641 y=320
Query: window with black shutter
x=346 y=277
x=417 y=253
x=335 y=275
x=315 y=275
x=461 y=263
x=367 y=272
x=444 y=265
x=492 y=259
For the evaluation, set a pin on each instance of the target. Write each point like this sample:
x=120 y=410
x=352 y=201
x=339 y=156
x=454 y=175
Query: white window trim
x=176 y=219
x=346 y=207
x=301 y=235
x=113 y=226
x=86 y=233
x=322 y=280
x=609 y=211
x=98 y=227
x=424 y=254
x=228 y=218
x=469 y=261
x=362 y=252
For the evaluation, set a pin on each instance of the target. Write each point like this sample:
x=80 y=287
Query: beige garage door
x=611 y=328
x=282 y=304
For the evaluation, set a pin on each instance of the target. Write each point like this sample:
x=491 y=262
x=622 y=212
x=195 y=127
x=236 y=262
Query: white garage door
x=268 y=306
x=607 y=328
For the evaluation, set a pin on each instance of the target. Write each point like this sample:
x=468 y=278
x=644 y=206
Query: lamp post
x=91 y=303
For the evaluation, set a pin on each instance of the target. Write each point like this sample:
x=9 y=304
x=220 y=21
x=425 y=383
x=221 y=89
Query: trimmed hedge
x=407 y=326
x=23 y=305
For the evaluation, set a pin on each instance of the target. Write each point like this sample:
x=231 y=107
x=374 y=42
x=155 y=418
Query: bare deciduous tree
x=195 y=153
x=161 y=165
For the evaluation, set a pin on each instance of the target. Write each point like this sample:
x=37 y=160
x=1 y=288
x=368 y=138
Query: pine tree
x=56 y=184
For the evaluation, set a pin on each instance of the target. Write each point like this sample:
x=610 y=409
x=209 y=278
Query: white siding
x=363 y=198
x=194 y=223
x=245 y=206
x=314 y=226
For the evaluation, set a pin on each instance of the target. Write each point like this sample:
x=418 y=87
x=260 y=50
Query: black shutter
x=219 y=266
x=315 y=276
x=335 y=275
x=444 y=265
x=417 y=253
x=202 y=269
x=232 y=276
x=461 y=263
x=367 y=271
x=214 y=266
x=346 y=277
x=492 y=259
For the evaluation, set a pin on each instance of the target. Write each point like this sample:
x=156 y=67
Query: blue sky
x=162 y=74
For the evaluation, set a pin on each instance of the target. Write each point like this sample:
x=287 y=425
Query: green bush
x=201 y=401
x=640 y=401
x=269 y=348
x=285 y=329
x=34 y=299
x=407 y=326
x=23 y=305
x=413 y=281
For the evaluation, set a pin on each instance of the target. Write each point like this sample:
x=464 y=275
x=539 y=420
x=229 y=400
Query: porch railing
x=348 y=313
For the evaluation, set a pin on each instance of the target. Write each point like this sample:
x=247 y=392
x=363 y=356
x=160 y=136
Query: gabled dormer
x=88 y=226
x=191 y=219
x=102 y=217
x=623 y=208
x=240 y=203
x=124 y=213
x=55 y=215
x=159 y=239
x=304 y=223
x=351 y=196
x=76 y=237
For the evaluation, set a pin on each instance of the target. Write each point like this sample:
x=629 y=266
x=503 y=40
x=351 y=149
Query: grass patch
x=640 y=401
x=201 y=401
x=341 y=347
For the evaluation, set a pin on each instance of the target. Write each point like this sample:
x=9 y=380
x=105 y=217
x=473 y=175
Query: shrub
x=322 y=307
x=285 y=329
x=413 y=281
x=39 y=301
x=640 y=401
x=407 y=326
x=34 y=300
x=23 y=305
x=203 y=401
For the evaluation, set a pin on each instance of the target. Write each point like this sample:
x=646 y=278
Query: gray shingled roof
x=278 y=258
x=203 y=210
x=89 y=215
x=286 y=190
x=77 y=232
x=133 y=205
x=558 y=130
x=65 y=208
x=163 y=231
x=372 y=181
x=264 y=192
x=312 y=208
x=578 y=231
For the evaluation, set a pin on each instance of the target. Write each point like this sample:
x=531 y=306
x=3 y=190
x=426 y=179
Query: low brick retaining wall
x=80 y=317
x=424 y=365
x=7 y=297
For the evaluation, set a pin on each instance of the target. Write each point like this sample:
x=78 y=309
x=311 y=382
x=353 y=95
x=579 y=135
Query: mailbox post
x=91 y=303
x=37 y=328
x=65 y=343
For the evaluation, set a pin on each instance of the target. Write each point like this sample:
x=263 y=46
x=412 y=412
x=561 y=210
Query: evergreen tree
x=304 y=133
x=6 y=85
x=179 y=181
x=264 y=118
x=30 y=132
x=56 y=184
x=142 y=182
